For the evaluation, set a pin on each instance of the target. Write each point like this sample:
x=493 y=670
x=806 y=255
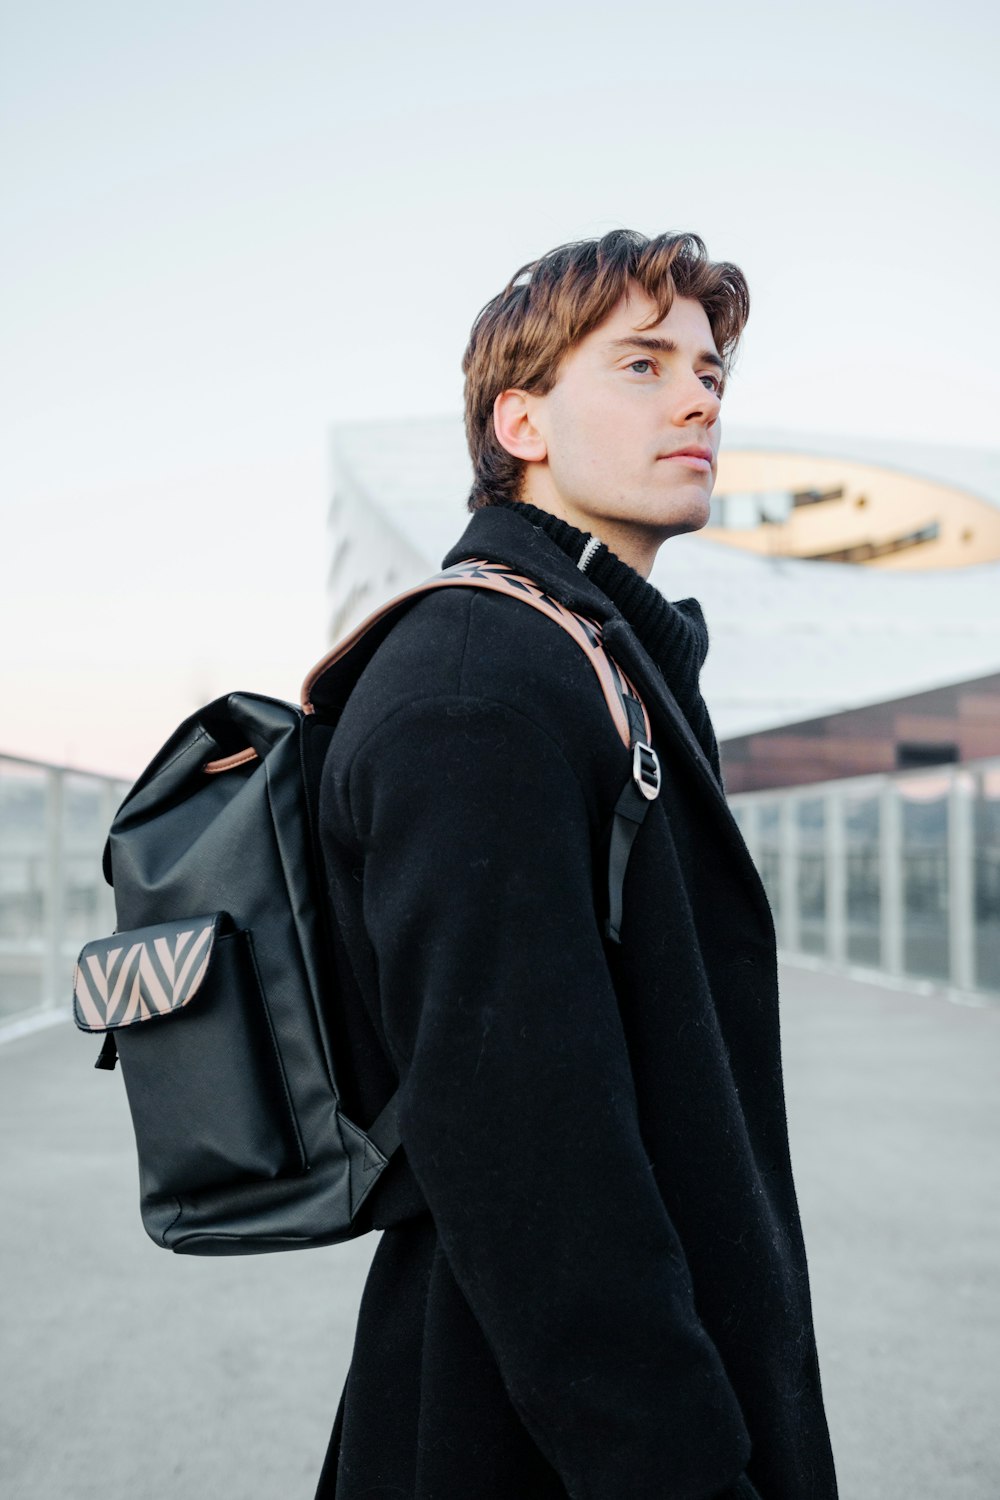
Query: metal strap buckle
x=646 y=769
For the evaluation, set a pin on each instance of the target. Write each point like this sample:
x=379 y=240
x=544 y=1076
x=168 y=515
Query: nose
x=694 y=403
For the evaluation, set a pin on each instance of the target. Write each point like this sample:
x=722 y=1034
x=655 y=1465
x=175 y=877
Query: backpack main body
x=218 y=989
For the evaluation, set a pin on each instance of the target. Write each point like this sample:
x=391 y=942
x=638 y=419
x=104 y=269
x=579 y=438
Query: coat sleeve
x=517 y=1105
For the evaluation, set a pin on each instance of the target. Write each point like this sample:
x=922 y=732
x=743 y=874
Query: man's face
x=626 y=400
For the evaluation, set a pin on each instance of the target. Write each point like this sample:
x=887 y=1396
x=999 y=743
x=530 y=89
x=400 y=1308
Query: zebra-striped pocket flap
x=151 y=971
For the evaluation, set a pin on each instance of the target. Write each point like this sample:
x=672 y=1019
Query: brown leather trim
x=229 y=761
x=481 y=573
x=342 y=647
x=630 y=690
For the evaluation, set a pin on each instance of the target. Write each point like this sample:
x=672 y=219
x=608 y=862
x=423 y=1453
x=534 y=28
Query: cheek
x=588 y=435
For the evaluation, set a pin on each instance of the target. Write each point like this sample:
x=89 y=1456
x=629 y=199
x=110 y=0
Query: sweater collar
x=674 y=633
x=504 y=535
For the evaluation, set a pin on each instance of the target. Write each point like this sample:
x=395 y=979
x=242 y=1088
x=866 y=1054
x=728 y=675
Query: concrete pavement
x=131 y=1374
x=894 y=1123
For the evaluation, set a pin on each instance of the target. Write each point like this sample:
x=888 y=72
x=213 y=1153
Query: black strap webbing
x=108 y=1055
x=630 y=810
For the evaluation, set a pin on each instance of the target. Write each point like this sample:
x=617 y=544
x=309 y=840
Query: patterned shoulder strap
x=624 y=702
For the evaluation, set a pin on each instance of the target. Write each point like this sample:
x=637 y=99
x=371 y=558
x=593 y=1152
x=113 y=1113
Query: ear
x=515 y=430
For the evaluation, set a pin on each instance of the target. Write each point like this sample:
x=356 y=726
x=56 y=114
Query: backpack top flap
x=138 y=975
x=210 y=735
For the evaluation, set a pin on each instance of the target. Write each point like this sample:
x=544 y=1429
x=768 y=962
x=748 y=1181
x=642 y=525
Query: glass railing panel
x=810 y=819
x=863 y=879
x=924 y=832
x=24 y=832
x=85 y=801
x=986 y=879
x=769 y=862
x=53 y=898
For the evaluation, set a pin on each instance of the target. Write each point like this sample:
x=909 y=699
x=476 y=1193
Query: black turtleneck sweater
x=673 y=632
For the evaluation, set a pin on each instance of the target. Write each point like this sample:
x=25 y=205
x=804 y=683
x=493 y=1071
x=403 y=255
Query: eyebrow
x=666 y=346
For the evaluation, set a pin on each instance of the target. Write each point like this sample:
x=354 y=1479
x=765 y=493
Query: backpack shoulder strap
x=477 y=572
x=323 y=687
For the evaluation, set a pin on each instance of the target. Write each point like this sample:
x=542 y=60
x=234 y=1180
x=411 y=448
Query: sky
x=225 y=227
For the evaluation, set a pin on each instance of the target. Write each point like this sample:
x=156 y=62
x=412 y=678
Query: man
x=592 y=1281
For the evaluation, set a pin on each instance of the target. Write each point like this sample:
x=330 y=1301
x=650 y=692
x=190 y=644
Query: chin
x=701 y=515
x=685 y=516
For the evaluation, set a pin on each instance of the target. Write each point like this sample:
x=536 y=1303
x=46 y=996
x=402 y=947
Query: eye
x=717 y=387
x=648 y=363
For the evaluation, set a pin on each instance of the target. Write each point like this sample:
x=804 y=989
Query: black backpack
x=216 y=988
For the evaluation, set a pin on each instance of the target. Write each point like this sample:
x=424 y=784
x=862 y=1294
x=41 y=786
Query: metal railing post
x=835 y=844
x=961 y=880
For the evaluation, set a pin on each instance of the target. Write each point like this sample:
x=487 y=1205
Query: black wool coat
x=592 y=1281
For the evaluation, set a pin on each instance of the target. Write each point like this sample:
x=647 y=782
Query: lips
x=694 y=458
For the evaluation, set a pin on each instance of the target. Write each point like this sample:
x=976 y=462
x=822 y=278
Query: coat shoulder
x=480 y=645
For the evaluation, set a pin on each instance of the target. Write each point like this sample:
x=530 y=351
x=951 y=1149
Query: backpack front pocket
x=188 y=1015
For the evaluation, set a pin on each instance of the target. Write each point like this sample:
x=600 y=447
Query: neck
x=635 y=544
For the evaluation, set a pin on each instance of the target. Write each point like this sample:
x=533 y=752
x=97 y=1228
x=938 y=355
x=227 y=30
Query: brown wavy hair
x=521 y=335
